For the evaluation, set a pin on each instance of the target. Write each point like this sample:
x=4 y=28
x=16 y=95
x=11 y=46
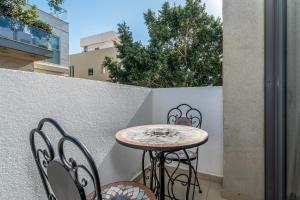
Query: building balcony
x=25 y=41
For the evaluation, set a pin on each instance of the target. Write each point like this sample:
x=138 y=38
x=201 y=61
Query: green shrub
x=42 y=25
x=28 y=16
x=11 y=8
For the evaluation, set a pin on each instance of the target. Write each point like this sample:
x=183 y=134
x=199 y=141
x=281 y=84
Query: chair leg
x=196 y=172
x=194 y=185
x=196 y=182
x=192 y=172
x=190 y=182
x=189 y=176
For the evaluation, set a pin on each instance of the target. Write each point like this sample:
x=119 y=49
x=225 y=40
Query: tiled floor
x=210 y=191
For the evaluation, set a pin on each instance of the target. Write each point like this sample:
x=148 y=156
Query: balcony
x=26 y=41
x=93 y=112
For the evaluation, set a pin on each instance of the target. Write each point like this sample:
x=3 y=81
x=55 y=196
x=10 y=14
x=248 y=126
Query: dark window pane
x=91 y=72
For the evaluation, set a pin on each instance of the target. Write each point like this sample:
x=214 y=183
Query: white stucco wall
x=89 y=110
x=209 y=101
x=124 y=163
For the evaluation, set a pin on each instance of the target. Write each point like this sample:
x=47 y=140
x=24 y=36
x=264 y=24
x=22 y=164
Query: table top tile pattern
x=162 y=137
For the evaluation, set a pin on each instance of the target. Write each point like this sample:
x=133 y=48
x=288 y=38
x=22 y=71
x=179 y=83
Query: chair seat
x=180 y=155
x=125 y=191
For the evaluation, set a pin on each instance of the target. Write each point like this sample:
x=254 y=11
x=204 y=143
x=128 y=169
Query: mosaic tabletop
x=162 y=137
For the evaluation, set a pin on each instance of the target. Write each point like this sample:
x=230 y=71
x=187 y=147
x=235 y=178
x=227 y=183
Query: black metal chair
x=186 y=115
x=64 y=178
x=183 y=114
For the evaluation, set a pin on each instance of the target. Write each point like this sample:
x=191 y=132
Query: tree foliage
x=184 y=50
x=11 y=8
x=55 y=5
x=15 y=9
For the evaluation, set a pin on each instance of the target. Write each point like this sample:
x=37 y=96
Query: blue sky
x=88 y=17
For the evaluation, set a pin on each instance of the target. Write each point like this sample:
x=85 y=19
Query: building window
x=85 y=49
x=72 y=72
x=91 y=72
x=55 y=46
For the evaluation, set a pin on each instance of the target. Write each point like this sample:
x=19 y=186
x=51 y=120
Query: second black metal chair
x=186 y=115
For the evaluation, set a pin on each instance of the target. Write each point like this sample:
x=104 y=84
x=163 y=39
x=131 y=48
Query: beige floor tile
x=214 y=192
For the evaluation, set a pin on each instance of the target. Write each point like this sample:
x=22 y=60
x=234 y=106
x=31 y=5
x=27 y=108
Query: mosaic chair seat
x=181 y=156
x=64 y=178
x=125 y=191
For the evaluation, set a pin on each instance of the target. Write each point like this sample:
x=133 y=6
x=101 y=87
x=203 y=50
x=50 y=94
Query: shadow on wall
x=124 y=163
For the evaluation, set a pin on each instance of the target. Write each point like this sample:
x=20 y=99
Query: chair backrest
x=63 y=177
x=184 y=114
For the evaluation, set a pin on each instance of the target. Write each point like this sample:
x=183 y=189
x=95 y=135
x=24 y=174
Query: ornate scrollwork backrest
x=185 y=111
x=44 y=156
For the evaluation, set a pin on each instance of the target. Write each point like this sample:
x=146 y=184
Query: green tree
x=28 y=16
x=11 y=8
x=55 y=5
x=184 y=50
x=15 y=9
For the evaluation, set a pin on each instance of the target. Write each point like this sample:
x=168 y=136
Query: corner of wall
x=121 y=158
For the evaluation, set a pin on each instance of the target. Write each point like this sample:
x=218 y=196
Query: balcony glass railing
x=55 y=57
x=18 y=31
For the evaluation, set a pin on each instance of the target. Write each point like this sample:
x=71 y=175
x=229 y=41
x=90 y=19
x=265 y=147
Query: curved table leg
x=154 y=180
x=153 y=168
x=143 y=167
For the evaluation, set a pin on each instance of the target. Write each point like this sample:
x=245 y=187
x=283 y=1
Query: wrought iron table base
x=157 y=183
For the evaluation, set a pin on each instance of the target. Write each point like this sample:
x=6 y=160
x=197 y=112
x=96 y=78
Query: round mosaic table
x=162 y=138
